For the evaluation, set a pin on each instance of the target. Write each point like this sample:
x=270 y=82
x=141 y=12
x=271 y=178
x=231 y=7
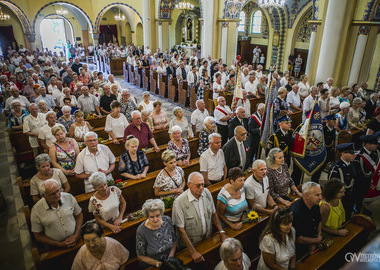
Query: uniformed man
x=365 y=163
x=344 y=170
x=329 y=133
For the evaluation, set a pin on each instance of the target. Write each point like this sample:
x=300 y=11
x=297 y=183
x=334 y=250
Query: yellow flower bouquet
x=252 y=217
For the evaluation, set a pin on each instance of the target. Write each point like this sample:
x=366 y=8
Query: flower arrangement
x=118 y=183
x=134 y=216
x=168 y=201
x=252 y=217
x=91 y=116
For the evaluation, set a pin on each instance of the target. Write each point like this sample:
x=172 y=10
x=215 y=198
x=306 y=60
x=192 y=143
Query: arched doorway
x=139 y=34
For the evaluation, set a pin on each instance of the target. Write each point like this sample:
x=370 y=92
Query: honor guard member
x=344 y=170
x=365 y=163
x=329 y=133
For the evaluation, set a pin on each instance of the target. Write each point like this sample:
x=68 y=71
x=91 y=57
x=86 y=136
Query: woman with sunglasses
x=277 y=242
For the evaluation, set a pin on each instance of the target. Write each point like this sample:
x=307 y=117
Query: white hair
x=136 y=112
x=42 y=101
x=90 y=134
x=66 y=108
x=208 y=119
x=229 y=247
x=344 y=105
x=47 y=183
x=49 y=113
x=97 y=178
x=212 y=135
x=308 y=186
x=175 y=128
x=260 y=106
x=153 y=205
x=257 y=163
x=192 y=175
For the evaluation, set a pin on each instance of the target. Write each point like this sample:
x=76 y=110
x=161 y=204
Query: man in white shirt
x=24 y=102
x=204 y=66
x=212 y=164
x=45 y=137
x=111 y=80
x=259 y=72
x=309 y=102
x=195 y=58
x=192 y=77
x=251 y=85
x=257 y=189
x=244 y=77
x=95 y=157
x=245 y=103
x=328 y=84
x=198 y=116
x=294 y=99
x=222 y=114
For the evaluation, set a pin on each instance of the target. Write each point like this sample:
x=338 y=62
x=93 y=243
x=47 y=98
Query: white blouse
x=108 y=209
x=303 y=89
x=146 y=107
x=218 y=87
x=116 y=125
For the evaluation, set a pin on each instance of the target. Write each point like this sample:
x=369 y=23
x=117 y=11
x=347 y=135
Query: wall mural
x=232 y=9
x=304 y=30
x=293 y=9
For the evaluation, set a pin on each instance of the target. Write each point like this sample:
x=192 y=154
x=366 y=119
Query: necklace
x=279 y=171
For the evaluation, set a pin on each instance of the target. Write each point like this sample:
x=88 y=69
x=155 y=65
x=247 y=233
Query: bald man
x=239 y=120
x=236 y=151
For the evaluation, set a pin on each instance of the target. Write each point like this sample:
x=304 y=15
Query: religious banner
x=238 y=91
x=267 y=123
x=309 y=149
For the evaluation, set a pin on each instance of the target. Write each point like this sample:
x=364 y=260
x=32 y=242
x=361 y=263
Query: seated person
x=232 y=256
x=210 y=127
x=145 y=118
x=56 y=219
x=156 y=236
x=45 y=172
x=107 y=203
x=231 y=202
x=179 y=146
x=160 y=120
x=133 y=163
x=307 y=219
x=331 y=207
x=66 y=119
x=16 y=118
x=170 y=181
x=99 y=251
x=277 y=242
x=115 y=122
x=189 y=219
x=279 y=178
x=79 y=128
x=257 y=189
x=45 y=137
x=64 y=151
x=181 y=121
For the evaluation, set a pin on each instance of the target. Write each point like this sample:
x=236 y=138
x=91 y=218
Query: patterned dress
x=160 y=121
x=65 y=159
x=181 y=153
x=65 y=123
x=203 y=141
x=206 y=82
x=166 y=183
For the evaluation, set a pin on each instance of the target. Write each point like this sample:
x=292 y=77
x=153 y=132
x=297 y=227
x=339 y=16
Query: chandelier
x=62 y=12
x=184 y=6
x=3 y=17
x=119 y=17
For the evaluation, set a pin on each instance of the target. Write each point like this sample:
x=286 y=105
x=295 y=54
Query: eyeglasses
x=199 y=185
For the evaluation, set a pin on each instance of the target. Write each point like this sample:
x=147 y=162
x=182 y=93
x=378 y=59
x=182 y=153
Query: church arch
x=26 y=26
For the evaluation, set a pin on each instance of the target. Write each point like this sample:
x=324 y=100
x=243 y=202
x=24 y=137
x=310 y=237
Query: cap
x=373 y=138
x=284 y=118
x=330 y=117
x=346 y=148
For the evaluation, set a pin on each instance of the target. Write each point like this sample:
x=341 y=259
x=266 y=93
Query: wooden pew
x=153 y=81
x=97 y=122
x=131 y=77
x=117 y=66
x=101 y=133
x=254 y=102
x=137 y=80
x=145 y=78
x=182 y=92
x=207 y=97
x=228 y=98
x=296 y=119
x=193 y=95
x=162 y=85
x=173 y=89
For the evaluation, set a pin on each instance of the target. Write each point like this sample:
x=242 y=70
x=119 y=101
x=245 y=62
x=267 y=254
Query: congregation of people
x=50 y=99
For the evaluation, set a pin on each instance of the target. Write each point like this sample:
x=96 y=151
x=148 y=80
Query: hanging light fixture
x=270 y=4
x=119 y=17
x=3 y=16
x=184 y=6
x=61 y=11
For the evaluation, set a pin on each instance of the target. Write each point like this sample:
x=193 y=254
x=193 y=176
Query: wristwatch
x=222 y=231
x=158 y=264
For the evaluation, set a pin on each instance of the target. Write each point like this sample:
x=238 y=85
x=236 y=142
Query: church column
x=224 y=41
x=311 y=48
x=358 y=54
x=146 y=22
x=170 y=36
x=332 y=31
x=31 y=38
x=85 y=40
x=208 y=28
x=160 y=45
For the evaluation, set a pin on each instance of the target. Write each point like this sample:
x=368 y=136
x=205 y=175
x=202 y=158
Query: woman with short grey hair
x=354 y=116
x=156 y=236
x=66 y=119
x=181 y=121
x=179 y=146
x=45 y=172
x=232 y=255
x=210 y=128
x=107 y=203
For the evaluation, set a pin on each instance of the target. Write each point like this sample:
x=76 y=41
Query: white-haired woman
x=79 y=128
x=232 y=256
x=115 y=90
x=42 y=105
x=156 y=237
x=210 y=127
x=161 y=69
x=66 y=119
x=341 y=117
x=179 y=146
x=146 y=104
x=127 y=104
x=354 y=116
x=279 y=177
x=133 y=163
x=16 y=118
x=334 y=100
x=67 y=94
x=181 y=121
x=116 y=122
x=45 y=172
x=107 y=203
x=170 y=181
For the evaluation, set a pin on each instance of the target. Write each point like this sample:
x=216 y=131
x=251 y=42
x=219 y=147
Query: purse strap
x=67 y=154
x=171 y=178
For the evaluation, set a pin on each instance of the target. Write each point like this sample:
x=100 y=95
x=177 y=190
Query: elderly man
x=212 y=163
x=236 y=151
x=251 y=85
x=48 y=98
x=294 y=100
x=181 y=71
x=257 y=189
x=254 y=129
x=141 y=131
x=32 y=125
x=67 y=80
x=232 y=256
x=57 y=218
x=58 y=93
x=222 y=114
x=45 y=137
x=307 y=219
x=308 y=103
x=88 y=103
x=24 y=102
x=76 y=66
x=111 y=81
x=198 y=116
x=371 y=106
x=106 y=99
x=244 y=77
x=193 y=212
x=328 y=84
x=28 y=90
x=95 y=157
x=239 y=120
x=245 y=103
x=36 y=80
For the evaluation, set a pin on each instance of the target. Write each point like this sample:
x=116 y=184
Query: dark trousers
x=223 y=130
x=296 y=174
x=348 y=202
x=330 y=158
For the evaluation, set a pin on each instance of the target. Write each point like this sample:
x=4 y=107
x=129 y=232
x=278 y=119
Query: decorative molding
x=227 y=20
x=317 y=22
x=293 y=10
x=166 y=7
x=304 y=30
x=225 y=24
x=313 y=28
x=356 y=22
x=96 y=35
x=364 y=30
x=31 y=37
x=159 y=23
x=232 y=8
x=26 y=26
x=368 y=10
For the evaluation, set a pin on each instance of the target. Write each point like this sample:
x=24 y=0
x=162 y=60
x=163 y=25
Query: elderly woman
x=42 y=105
x=170 y=181
x=155 y=237
x=279 y=177
x=116 y=122
x=304 y=87
x=280 y=105
x=232 y=255
x=160 y=120
x=181 y=121
x=133 y=163
x=343 y=97
x=64 y=151
x=333 y=214
x=146 y=104
x=334 y=100
x=179 y=146
x=99 y=252
x=66 y=119
x=204 y=81
x=145 y=118
x=45 y=172
x=16 y=118
x=115 y=90
x=210 y=127
x=341 y=117
x=374 y=124
x=127 y=104
x=67 y=94
x=107 y=203
x=102 y=81
x=277 y=242
x=354 y=116
x=79 y=128
x=231 y=202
